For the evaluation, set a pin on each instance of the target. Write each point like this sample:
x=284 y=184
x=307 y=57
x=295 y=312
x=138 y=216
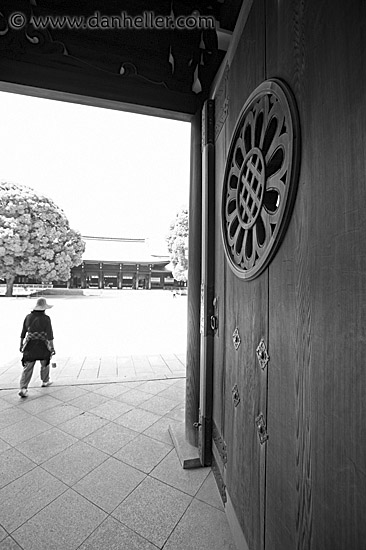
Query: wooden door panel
x=337 y=80
x=246 y=310
x=288 y=481
x=316 y=495
x=244 y=306
x=240 y=83
x=288 y=502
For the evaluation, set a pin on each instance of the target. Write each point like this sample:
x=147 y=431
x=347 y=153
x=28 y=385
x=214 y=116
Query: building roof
x=120 y=250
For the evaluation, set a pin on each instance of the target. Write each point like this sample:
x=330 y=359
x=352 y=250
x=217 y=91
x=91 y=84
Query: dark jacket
x=37 y=330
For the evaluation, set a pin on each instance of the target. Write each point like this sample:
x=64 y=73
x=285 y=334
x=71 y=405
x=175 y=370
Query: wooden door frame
x=81 y=99
x=208 y=320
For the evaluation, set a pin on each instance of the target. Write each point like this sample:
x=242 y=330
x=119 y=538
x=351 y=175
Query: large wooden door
x=305 y=487
x=241 y=308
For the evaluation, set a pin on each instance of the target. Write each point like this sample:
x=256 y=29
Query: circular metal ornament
x=260 y=179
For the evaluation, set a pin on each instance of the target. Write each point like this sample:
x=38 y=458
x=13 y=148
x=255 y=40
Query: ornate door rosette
x=260 y=178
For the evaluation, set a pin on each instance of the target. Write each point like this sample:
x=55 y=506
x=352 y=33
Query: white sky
x=114 y=174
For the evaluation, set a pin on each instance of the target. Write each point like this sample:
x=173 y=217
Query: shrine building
x=119 y=263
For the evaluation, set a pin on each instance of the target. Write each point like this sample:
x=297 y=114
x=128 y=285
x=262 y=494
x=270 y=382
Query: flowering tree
x=177 y=240
x=35 y=237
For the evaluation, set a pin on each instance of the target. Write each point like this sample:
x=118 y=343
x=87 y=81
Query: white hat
x=41 y=305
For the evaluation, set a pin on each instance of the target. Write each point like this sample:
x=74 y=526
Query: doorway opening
x=121 y=179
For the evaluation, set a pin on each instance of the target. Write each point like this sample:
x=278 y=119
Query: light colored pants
x=28 y=371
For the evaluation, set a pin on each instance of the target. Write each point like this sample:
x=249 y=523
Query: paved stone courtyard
x=93 y=467
x=100 y=369
x=113 y=325
x=88 y=463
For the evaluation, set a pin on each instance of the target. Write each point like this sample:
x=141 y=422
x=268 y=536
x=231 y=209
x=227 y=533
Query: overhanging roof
x=119 y=250
x=155 y=68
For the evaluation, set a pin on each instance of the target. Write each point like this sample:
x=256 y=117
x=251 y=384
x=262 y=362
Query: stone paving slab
x=100 y=369
x=83 y=468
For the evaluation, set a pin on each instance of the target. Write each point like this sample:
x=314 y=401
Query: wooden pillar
x=194 y=284
x=149 y=278
x=120 y=277
x=137 y=276
x=101 y=276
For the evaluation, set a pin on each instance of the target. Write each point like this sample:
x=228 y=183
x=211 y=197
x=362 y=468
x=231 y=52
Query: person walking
x=36 y=344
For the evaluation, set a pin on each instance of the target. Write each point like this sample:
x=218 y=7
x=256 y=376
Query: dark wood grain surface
x=315 y=487
x=289 y=495
x=316 y=484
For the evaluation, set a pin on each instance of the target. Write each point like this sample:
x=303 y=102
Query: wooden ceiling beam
x=67 y=83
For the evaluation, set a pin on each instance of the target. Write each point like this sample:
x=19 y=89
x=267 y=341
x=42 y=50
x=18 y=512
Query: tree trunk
x=9 y=285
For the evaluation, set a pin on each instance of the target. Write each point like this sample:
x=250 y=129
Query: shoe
x=23 y=392
x=45 y=384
